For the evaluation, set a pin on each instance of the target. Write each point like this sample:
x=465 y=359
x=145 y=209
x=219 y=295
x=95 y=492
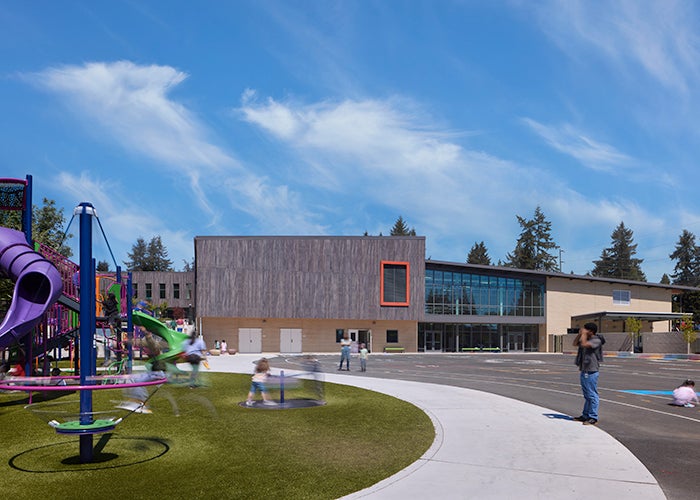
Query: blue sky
x=178 y=119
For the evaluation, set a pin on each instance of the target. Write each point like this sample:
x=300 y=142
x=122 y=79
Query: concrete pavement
x=491 y=447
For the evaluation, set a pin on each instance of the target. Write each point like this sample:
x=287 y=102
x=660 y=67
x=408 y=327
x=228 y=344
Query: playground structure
x=48 y=308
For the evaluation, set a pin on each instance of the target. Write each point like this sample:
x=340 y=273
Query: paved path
x=492 y=447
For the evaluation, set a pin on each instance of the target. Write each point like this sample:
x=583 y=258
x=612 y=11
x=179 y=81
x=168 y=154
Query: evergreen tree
x=543 y=242
x=687 y=257
x=533 y=245
x=401 y=229
x=138 y=256
x=617 y=261
x=479 y=255
x=158 y=256
x=665 y=280
x=148 y=257
x=102 y=266
x=188 y=266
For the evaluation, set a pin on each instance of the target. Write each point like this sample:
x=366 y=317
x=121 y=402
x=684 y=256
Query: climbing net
x=12 y=194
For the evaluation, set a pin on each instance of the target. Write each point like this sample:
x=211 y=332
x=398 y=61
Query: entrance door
x=290 y=340
x=433 y=341
x=249 y=340
x=365 y=337
x=516 y=342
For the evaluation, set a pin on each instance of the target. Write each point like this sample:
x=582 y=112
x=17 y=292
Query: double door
x=433 y=341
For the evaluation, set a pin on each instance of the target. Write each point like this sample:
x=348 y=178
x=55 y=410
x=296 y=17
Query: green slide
x=174 y=338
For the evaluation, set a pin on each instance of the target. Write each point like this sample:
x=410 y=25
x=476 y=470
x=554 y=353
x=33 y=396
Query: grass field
x=200 y=442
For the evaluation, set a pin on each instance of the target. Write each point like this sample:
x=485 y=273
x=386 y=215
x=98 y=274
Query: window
x=394 y=284
x=136 y=289
x=149 y=291
x=188 y=291
x=161 y=290
x=622 y=297
x=339 y=334
x=176 y=290
x=392 y=336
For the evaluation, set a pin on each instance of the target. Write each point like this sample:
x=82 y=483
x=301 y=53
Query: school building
x=295 y=294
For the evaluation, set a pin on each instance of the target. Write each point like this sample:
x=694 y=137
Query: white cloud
x=131 y=103
x=660 y=38
x=386 y=139
x=589 y=152
x=379 y=153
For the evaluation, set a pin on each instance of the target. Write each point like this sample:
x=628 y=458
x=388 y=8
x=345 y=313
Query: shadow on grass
x=39 y=398
x=60 y=457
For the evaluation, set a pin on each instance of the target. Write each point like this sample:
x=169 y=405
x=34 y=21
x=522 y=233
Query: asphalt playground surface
x=634 y=393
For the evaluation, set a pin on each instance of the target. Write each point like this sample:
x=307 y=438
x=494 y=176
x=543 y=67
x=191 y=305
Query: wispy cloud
x=660 y=38
x=572 y=142
x=385 y=135
x=132 y=104
x=122 y=218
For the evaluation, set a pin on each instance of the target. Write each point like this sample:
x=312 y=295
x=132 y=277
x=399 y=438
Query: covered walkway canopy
x=599 y=317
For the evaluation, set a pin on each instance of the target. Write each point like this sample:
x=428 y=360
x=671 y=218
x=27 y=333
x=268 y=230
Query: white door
x=249 y=340
x=290 y=340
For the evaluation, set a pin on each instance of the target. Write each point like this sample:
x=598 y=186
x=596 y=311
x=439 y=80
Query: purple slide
x=38 y=285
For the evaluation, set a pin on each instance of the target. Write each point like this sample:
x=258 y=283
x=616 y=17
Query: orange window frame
x=381 y=283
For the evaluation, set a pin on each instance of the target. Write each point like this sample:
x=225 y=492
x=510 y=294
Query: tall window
x=161 y=290
x=136 y=289
x=176 y=290
x=394 y=286
x=149 y=291
x=188 y=291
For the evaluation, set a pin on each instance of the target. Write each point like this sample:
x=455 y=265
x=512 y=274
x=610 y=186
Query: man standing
x=588 y=361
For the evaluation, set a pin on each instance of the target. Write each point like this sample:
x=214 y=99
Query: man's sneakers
x=586 y=420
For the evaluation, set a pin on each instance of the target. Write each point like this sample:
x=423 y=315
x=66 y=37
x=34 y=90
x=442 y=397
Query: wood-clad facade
x=300 y=294
x=175 y=288
x=314 y=285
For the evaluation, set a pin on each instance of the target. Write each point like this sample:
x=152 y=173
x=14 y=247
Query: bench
x=394 y=349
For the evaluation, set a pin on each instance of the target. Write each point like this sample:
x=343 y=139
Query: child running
x=262 y=371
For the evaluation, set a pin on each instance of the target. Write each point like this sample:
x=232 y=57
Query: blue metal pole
x=27 y=212
x=87 y=323
x=282 y=387
x=129 y=322
x=27 y=228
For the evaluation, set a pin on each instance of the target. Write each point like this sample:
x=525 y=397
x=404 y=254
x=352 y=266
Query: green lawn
x=212 y=446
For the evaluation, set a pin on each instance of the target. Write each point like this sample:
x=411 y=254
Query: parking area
x=665 y=438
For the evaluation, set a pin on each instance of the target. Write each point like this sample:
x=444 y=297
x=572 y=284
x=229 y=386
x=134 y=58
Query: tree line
x=535 y=247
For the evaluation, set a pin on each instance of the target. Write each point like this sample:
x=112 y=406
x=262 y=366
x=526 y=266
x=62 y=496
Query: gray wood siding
x=304 y=277
x=155 y=278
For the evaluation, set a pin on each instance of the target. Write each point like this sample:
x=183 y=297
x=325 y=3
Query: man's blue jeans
x=589 y=387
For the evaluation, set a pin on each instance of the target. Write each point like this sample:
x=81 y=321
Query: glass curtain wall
x=448 y=337
x=461 y=293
